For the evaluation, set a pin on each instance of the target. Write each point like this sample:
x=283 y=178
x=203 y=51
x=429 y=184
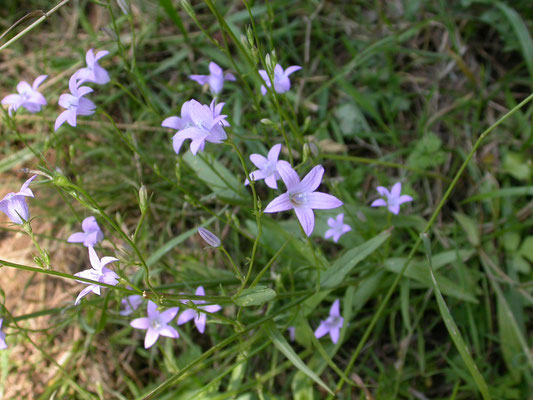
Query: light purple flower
x=281 y=78
x=93 y=72
x=332 y=324
x=292 y=333
x=198 y=122
x=14 y=204
x=156 y=324
x=99 y=272
x=301 y=196
x=28 y=96
x=74 y=103
x=91 y=233
x=215 y=78
x=130 y=304
x=394 y=198
x=337 y=228
x=210 y=238
x=199 y=318
x=267 y=167
x=3 y=344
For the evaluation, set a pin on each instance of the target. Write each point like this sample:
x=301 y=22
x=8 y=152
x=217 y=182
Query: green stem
x=237 y=271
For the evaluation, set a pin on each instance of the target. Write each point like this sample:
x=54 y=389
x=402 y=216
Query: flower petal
x=169 y=331
x=201 y=79
x=173 y=122
x=334 y=333
x=151 y=337
x=78 y=237
x=37 y=82
x=396 y=190
x=311 y=181
x=335 y=309
x=288 y=175
x=271 y=181
x=306 y=218
x=200 y=322
x=168 y=315
x=186 y=316
x=291 y=69
x=378 y=203
x=140 y=323
x=61 y=119
x=322 y=201
x=258 y=160
x=321 y=330
x=404 y=198
x=273 y=154
x=151 y=308
x=280 y=203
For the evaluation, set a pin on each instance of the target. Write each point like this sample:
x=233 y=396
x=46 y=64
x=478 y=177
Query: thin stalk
x=34 y=25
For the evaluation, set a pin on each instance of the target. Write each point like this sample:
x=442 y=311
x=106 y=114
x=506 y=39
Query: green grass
x=424 y=92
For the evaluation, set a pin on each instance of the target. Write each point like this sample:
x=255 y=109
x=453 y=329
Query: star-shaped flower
x=14 y=204
x=337 y=228
x=267 y=167
x=282 y=83
x=91 y=233
x=301 y=196
x=394 y=198
x=99 y=272
x=215 y=78
x=74 y=103
x=332 y=324
x=199 y=318
x=156 y=324
x=130 y=304
x=198 y=122
x=27 y=97
x=3 y=344
x=93 y=72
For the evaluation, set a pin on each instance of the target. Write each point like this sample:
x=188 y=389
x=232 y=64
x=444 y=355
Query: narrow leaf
x=284 y=347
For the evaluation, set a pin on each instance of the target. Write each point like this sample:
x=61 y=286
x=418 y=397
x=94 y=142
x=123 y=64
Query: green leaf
x=285 y=348
x=301 y=387
x=344 y=265
x=510 y=241
x=469 y=226
x=419 y=272
x=452 y=328
x=427 y=153
x=254 y=296
x=219 y=179
x=527 y=248
x=522 y=34
x=515 y=164
x=351 y=120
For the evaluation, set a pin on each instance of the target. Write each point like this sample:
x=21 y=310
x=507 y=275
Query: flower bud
x=210 y=238
x=143 y=199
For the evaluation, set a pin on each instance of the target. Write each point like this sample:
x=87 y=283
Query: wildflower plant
x=267 y=304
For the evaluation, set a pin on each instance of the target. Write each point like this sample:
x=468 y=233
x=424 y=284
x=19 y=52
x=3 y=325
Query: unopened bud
x=210 y=238
x=143 y=199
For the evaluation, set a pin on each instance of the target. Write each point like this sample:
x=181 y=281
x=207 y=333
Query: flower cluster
x=199 y=123
x=156 y=323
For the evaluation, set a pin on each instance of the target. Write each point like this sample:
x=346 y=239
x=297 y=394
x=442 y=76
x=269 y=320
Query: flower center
x=298 y=199
x=155 y=324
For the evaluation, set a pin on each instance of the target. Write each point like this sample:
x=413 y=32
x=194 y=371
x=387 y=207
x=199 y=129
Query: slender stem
x=237 y=271
x=430 y=223
x=34 y=25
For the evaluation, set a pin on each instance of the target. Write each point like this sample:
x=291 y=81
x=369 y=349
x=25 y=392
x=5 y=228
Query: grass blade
x=284 y=347
x=454 y=332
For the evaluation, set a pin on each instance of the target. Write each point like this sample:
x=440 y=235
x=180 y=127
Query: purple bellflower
x=198 y=122
x=394 y=198
x=91 y=233
x=199 y=318
x=267 y=167
x=14 y=204
x=28 y=96
x=156 y=324
x=99 y=272
x=3 y=344
x=332 y=324
x=215 y=79
x=130 y=304
x=74 y=103
x=281 y=80
x=337 y=228
x=93 y=72
x=301 y=196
